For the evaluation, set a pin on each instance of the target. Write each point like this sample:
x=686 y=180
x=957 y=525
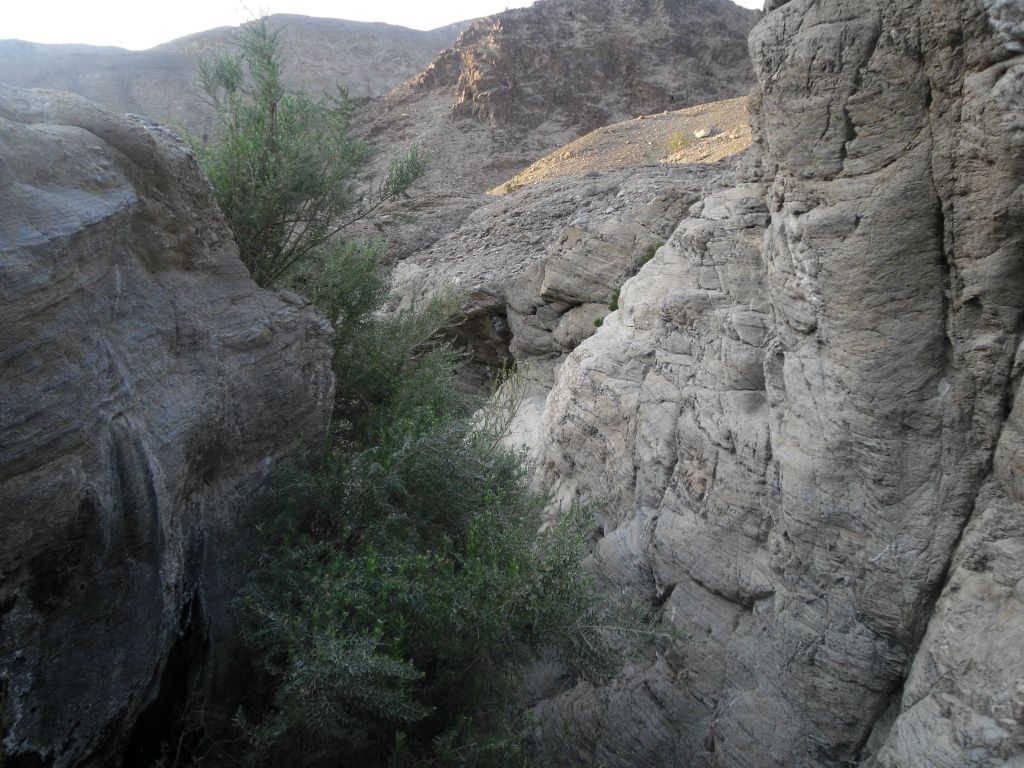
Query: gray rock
x=161 y=83
x=147 y=384
x=797 y=420
x=519 y=84
x=549 y=259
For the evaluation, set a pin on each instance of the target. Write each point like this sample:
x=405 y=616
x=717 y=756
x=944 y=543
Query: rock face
x=147 y=383
x=539 y=268
x=160 y=83
x=521 y=83
x=802 y=420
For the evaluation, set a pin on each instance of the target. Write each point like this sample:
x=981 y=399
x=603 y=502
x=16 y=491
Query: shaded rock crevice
x=160 y=724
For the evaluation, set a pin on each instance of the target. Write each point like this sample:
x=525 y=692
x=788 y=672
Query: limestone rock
x=543 y=264
x=147 y=384
x=797 y=420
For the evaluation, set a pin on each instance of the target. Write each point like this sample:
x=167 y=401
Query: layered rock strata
x=588 y=63
x=537 y=270
x=147 y=385
x=803 y=424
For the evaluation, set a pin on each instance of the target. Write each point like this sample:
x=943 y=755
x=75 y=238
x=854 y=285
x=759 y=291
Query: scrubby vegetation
x=649 y=254
x=677 y=142
x=285 y=165
x=403 y=576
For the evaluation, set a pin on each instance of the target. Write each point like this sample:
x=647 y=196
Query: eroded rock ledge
x=147 y=384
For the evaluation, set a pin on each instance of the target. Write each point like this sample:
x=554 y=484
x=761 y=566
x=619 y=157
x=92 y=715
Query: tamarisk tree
x=284 y=165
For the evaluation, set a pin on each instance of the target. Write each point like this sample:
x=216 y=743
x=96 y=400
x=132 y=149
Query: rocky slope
x=803 y=420
x=539 y=268
x=160 y=83
x=521 y=83
x=148 y=384
x=705 y=133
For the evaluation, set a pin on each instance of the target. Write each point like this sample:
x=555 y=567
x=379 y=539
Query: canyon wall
x=802 y=420
x=148 y=385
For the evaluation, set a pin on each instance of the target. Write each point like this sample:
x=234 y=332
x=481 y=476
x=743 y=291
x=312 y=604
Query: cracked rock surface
x=539 y=268
x=147 y=385
x=802 y=420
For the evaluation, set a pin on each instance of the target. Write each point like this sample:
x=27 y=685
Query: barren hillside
x=706 y=133
x=521 y=83
x=160 y=83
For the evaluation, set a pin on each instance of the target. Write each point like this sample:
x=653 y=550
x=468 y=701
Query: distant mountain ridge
x=484 y=99
x=368 y=59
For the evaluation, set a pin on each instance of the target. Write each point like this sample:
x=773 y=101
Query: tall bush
x=405 y=578
x=284 y=164
x=402 y=574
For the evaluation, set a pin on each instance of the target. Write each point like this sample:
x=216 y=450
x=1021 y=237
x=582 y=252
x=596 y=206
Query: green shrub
x=677 y=142
x=613 y=302
x=402 y=573
x=648 y=255
x=284 y=165
x=404 y=577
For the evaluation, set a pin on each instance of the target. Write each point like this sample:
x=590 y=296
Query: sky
x=138 y=24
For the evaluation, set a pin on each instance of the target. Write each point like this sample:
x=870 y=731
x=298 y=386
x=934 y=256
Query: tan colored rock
x=631 y=143
x=146 y=386
x=578 y=324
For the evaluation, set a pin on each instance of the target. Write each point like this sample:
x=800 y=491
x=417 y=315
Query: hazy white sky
x=141 y=24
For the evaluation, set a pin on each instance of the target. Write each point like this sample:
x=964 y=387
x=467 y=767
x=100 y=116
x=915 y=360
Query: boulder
x=146 y=386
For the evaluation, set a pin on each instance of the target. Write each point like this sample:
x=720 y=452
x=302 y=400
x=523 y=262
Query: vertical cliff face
x=147 y=384
x=802 y=419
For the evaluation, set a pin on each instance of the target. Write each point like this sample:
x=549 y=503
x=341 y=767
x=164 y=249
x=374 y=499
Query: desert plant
x=677 y=142
x=401 y=573
x=613 y=301
x=283 y=164
x=652 y=249
x=402 y=579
